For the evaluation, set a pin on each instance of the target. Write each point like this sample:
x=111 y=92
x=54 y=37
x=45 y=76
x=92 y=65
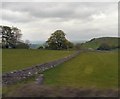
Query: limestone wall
x=15 y=76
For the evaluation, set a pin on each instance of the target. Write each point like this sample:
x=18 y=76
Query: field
x=18 y=59
x=97 y=69
x=90 y=69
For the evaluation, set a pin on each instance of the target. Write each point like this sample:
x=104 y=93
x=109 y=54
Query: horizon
x=73 y=41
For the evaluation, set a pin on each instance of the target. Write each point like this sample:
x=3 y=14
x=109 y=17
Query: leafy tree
x=57 y=41
x=10 y=36
x=69 y=44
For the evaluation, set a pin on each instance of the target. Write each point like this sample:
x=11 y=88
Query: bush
x=104 y=46
x=41 y=47
x=22 y=46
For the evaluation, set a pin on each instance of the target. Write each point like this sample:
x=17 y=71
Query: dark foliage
x=22 y=46
x=10 y=36
x=41 y=47
x=104 y=46
x=57 y=41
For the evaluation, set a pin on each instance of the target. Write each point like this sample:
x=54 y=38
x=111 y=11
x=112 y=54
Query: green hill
x=96 y=42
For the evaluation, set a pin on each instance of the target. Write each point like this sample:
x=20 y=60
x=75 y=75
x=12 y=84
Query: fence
x=15 y=76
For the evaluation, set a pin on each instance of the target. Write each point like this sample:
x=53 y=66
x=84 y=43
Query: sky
x=78 y=20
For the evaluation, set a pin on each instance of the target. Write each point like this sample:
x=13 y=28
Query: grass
x=111 y=41
x=97 y=70
x=90 y=69
x=15 y=59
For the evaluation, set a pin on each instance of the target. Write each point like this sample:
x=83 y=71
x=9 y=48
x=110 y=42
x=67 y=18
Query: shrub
x=104 y=46
x=41 y=47
x=22 y=46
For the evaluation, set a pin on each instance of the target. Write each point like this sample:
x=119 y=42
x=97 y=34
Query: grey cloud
x=57 y=10
x=14 y=17
x=87 y=34
x=78 y=20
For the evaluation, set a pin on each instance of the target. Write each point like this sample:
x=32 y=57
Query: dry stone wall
x=15 y=76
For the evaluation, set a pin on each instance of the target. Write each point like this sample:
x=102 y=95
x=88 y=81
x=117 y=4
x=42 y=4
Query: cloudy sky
x=80 y=21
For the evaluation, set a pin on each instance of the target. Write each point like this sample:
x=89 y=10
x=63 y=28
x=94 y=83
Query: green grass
x=90 y=69
x=15 y=59
x=111 y=41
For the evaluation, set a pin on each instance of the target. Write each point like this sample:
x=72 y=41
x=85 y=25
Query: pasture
x=88 y=70
x=15 y=59
x=96 y=69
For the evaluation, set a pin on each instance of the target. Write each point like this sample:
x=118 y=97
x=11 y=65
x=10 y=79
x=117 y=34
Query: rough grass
x=90 y=73
x=14 y=59
x=111 y=41
x=90 y=69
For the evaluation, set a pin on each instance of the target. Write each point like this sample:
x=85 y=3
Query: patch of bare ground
x=35 y=90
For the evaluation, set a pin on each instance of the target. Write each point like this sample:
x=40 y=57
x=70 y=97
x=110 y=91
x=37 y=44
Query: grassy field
x=97 y=70
x=13 y=59
x=90 y=69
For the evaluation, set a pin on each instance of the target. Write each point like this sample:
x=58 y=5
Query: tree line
x=11 y=38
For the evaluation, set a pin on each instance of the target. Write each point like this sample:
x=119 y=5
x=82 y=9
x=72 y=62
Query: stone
x=15 y=76
x=40 y=79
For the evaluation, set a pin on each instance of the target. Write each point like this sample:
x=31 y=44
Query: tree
x=10 y=36
x=17 y=33
x=57 y=41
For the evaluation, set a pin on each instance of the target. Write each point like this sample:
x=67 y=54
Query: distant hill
x=96 y=42
x=34 y=46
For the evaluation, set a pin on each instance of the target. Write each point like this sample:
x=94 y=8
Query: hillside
x=96 y=42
